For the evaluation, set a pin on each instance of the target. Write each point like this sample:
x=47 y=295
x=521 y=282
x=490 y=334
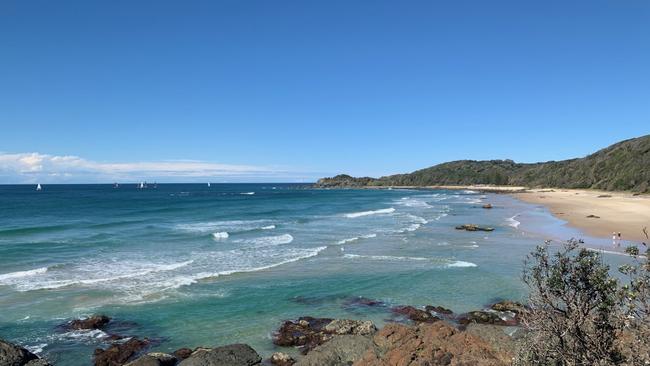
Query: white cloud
x=44 y=168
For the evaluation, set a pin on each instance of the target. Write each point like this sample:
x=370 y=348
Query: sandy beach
x=597 y=213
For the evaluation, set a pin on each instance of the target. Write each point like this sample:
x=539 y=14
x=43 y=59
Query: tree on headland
x=579 y=314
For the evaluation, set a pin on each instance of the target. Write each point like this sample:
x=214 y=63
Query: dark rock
x=472 y=227
x=415 y=314
x=14 y=355
x=38 y=362
x=488 y=206
x=93 y=322
x=309 y=332
x=154 y=359
x=231 y=355
x=119 y=353
x=508 y=305
x=281 y=359
x=182 y=353
x=488 y=317
x=438 y=310
x=340 y=351
x=593 y=217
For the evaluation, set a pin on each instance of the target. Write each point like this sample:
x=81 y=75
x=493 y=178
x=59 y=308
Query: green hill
x=620 y=167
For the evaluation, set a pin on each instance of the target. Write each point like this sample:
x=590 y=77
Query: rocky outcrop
x=14 y=355
x=488 y=317
x=231 y=355
x=119 y=353
x=487 y=206
x=341 y=350
x=93 y=322
x=308 y=332
x=438 y=310
x=182 y=353
x=507 y=305
x=472 y=227
x=415 y=314
x=430 y=344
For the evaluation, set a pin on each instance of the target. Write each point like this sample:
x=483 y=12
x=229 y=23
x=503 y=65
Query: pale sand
x=617 y=211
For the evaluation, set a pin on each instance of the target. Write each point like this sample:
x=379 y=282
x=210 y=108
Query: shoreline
x=596 y=213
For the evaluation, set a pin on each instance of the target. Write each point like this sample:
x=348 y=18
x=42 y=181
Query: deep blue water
x=191 y=265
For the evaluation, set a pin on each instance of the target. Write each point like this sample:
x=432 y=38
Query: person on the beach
x=619 y=240
x=614 y=240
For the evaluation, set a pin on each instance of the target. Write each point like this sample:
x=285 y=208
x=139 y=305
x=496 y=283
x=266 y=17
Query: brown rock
x=430 y=344
x=182 y=353
x=119 y=353
x=308 y=332
x=488 y=206
x=93 y=322
x=472 y=227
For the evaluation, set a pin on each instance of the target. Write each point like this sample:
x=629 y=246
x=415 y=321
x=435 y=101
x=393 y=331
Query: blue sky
x=293 y=90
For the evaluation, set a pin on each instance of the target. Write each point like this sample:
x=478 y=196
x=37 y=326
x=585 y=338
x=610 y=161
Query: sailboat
x=141 y=186
x=115 y=185
x=208 y=184
x=38 y=187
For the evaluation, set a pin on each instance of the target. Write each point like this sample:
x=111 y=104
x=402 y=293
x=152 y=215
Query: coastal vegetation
x=619 y=167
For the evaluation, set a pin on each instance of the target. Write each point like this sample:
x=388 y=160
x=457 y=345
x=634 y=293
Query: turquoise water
x=192 y=265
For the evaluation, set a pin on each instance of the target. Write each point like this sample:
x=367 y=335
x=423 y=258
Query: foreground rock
x=281 y=359
x=341 y=350
x=154 y=359
x=231 y=355
x=415 y=314
x=430 y=344
x=308 y=332
x=93 y=322
x=14 y=355
x=472 y=227
x=119 y=353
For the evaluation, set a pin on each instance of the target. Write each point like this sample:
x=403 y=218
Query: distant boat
x=115 y=185
x=141 y=186
x=208 y=184
x=38 y=187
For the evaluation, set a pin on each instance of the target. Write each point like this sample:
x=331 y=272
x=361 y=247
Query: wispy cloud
x=43 y=168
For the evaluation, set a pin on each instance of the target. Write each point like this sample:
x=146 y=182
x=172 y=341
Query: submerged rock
x=415 y=314
x=231 y=355
x=430 y=344
x=119 y=353
x=93 y=322
x=341 y=350
x=308 y=332
x=362 y=302
x=14 y=355
x=472 y=227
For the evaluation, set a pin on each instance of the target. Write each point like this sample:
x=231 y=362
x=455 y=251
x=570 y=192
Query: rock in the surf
x=473 y=227
x=93 y=322
x=119 y=353
x=14 y=355
x=438 y=310
x=231 y=355
x=415 y=314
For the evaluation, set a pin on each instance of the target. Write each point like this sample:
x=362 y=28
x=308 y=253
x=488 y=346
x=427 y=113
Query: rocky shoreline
x=431 y=335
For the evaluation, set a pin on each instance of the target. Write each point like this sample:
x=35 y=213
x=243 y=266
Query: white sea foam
x=268 y=240
x=468 y=191
x=248 y=193
x=21 y=274
x=231 y=226
x=268 y=227
x=443 y=262
x=413 y=202
x=461 y=264
x=353 y=239
x=37 y=348
x=612 y=252
x=368 y=213
x=220 y=235
x=512 y=222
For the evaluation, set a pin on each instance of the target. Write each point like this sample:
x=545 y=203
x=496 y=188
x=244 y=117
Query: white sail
x=208 y=184
x=38 y=187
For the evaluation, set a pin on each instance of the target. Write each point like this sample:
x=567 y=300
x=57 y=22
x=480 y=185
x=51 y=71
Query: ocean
x=189 y=265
